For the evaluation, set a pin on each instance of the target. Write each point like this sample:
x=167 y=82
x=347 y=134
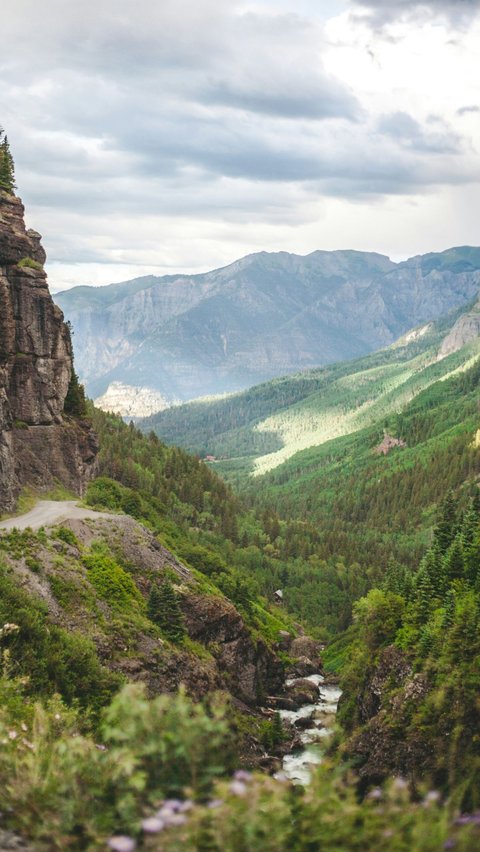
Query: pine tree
x=164 y=610
x=453 y=562
x=75 y=403
x=446 y=529
x=7 y=167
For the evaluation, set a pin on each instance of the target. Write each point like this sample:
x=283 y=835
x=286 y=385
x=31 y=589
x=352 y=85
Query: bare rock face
x=37 y=445
x=465 y=330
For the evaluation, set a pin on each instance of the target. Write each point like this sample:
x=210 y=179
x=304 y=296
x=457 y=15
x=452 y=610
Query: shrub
x=29 y=263
x=111 y=582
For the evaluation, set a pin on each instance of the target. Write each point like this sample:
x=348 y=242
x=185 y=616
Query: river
x=298 y=764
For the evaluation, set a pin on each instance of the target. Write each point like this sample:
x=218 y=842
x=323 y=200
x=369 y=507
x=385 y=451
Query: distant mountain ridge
x=266 y=315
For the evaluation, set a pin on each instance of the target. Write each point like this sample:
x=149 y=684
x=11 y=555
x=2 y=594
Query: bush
x=111 y=582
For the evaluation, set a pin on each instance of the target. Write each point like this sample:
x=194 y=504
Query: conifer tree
x=75 y=403
x=446 y=528
x=453 y=562
x=164 y=610
x=7 y=168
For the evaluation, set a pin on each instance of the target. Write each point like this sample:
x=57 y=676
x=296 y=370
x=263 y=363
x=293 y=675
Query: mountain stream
x=319 y=720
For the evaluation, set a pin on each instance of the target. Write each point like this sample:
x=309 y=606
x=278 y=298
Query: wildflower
x=153 y=825
x=450 y=843
x=122 y=843
x=8 y=629
x=187 y=805
x=431 y=797
x=375 y=794
x=242 y=775
x=238 y=788
x=215 y=803
x=172 y=804
x=12 y=735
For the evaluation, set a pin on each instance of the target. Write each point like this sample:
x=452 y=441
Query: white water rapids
x=298 y=765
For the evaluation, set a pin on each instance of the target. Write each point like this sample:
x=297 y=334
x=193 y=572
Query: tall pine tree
x=7 y=167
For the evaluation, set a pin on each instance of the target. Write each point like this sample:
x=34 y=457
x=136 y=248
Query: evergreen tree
x=7 y=167
x=164 y=610
x=446 y=528
x=425 y=595
x=453 y=562
x=75 y=403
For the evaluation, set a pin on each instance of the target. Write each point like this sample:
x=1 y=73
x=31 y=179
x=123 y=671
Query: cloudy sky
x=178 y=135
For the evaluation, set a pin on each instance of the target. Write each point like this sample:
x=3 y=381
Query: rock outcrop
x=465 y=330
x=38 y=446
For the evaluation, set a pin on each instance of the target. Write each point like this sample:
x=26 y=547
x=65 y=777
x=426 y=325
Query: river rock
x=302 y=667
x=303 y=692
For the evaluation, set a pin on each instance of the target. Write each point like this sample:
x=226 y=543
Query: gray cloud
x=122 y=112
x=469 y=108
x=381 y=12
x=409 y=133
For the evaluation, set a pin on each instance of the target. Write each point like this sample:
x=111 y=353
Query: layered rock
x=38 y=446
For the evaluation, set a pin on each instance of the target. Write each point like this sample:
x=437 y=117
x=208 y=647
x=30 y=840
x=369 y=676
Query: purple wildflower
x=215 y=803
x=152 y=825
x=375 y=794
x=242 y=775
x=122 y=843
x=238 y=788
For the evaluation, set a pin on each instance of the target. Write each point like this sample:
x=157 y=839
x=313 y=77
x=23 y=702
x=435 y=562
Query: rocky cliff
x=38 y=445
x=465 y=330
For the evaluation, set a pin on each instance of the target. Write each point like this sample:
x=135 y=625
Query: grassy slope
x=259 y=429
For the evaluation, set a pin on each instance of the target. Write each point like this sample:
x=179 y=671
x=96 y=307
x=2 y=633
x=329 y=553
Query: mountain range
x=181 y=337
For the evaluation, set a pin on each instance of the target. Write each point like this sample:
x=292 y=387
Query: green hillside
x=256 y=431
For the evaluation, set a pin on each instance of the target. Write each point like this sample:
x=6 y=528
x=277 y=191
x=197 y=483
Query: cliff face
x=37 y=446
x=465 y=330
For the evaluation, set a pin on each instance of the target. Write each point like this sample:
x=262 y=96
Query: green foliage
x=67 y=535
x=62 y=791
x=7 y=167
x=271 y=732
x=164 y=610
x=436 y=629
x=111 y=581
x=75 y=402
x=29 y=263
x=51 y=658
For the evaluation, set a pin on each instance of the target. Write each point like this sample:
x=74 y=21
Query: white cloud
x=160 y=136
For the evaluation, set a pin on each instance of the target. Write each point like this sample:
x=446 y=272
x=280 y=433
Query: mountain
x=257 y=430
x=40 y=443
x=263 y=316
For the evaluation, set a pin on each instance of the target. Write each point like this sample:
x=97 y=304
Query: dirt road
x=49 y=512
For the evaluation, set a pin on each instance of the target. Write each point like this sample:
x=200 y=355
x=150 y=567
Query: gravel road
x=49 y=512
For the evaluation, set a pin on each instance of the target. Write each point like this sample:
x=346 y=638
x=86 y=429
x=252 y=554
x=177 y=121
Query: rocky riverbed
x=314 y=722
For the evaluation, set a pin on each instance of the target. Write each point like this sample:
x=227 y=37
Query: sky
x=162 y=136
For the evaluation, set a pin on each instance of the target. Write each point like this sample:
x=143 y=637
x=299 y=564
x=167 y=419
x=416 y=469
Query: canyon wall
x=39 y=445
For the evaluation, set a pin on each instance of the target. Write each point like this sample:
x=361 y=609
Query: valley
x=173 y=644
